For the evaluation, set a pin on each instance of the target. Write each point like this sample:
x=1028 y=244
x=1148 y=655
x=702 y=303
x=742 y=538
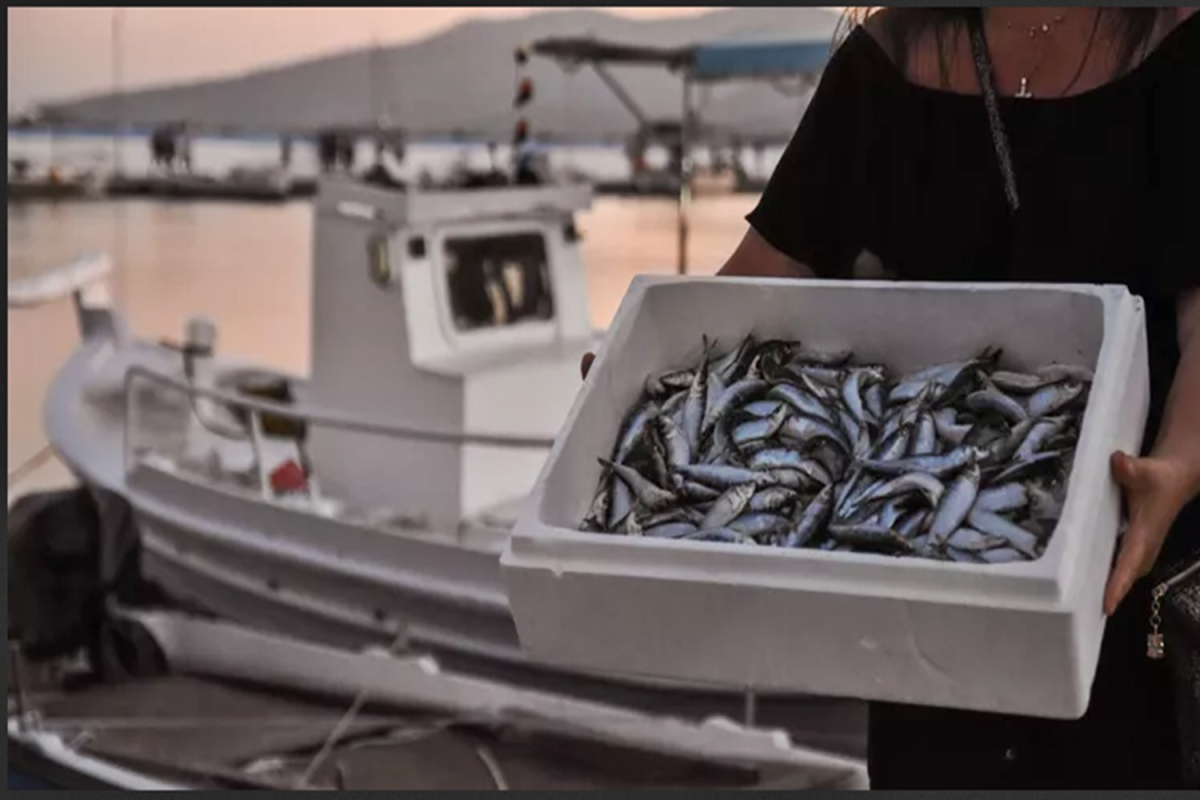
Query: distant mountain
x=461 y=83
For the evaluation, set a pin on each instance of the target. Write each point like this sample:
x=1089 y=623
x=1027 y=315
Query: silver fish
x=1003 y=499
x=760 y=429
x=1004 y=555
x=670 y=530
x=633 y=430
x=933 y=465
x=720 y=476
x=991 y=524
x=824 y=358
x=802 y=401
x=772 y=498
x=815 y=515
x=971 y=540
x=1051 y=399
x=762 y=408
x=696 y=403
x=805 y=430
x=1043 y=430
x=871 y=538
x=913 y=482
x=1018 y=382
x=955 y=505
x=733 y=362
x=873 y=398
x=597 y=516
x=1040 y=463
x=925 y=442
x=728 y=399
x=945 y=421
x=1058 y=373
x=997 y=402
x=673 y=440
x=649 y=495
x=759 y=524
x=696 y=491
x=728 y=506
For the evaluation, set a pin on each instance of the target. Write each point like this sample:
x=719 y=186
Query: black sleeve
x=800 y=211
x=1177 y=152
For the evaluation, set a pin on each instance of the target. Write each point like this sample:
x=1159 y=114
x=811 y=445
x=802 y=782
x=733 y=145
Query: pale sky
x=55 y=53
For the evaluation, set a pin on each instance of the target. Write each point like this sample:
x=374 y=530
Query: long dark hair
x=1131 y=29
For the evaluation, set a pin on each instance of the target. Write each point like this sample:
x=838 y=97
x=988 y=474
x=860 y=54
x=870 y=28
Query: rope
x=30 y=465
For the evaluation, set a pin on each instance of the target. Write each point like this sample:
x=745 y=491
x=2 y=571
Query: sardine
x=728 y=506
x=945 y=421
x=724 y=535
x=759 y=524
x=649 y=495
x=1052 y=399
x=933 y=465
x=1003 y=499
x=720 y=476
x=695 y=405
x=956 y=503
x=870 y=537
x=812 y=520
x=773 y=498
x=1058 y=373
x=997 y=402
x=670 y=530
x=925 y=441
x=991 y=524
x=730 y=397
x=802 y=401
x=913 y=482
x=632 y=431
x=1045 y=428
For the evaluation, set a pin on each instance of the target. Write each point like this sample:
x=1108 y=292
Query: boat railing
x=248 y=426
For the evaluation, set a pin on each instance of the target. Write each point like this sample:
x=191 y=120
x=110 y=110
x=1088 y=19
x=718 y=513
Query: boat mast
x=117 y=88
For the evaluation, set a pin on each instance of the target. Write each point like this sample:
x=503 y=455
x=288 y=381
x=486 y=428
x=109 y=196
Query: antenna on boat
x=118 y=45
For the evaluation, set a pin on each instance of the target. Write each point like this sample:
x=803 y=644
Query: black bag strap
x=987 y=83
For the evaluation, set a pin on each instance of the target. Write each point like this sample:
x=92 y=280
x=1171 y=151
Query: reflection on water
x=247 y=266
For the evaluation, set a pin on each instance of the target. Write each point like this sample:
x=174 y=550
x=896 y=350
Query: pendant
x=1024 y=92
x=1155 y=646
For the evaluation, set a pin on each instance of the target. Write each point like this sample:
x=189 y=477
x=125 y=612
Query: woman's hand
x=1157 y=487
x=1155 y=490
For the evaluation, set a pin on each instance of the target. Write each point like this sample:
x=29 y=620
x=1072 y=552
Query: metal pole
x=117 y=78
x=685 y=182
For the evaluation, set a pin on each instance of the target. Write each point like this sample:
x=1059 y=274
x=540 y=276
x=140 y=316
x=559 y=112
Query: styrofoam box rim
x=1047 y=583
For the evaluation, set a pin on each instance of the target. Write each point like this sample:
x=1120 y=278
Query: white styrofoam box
x=1014 y=638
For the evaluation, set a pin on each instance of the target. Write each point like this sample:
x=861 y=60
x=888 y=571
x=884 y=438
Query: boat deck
x=205 y=733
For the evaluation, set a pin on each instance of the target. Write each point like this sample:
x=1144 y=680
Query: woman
x=898 y=170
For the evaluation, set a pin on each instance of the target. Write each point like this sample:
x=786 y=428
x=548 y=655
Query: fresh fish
x=870 y=537
x=802 y=401
x=933 y=465
x=759 y=429
x=913 y=482
x=773 y=498
x=1018 y=382
x=728 y=507
x=759 y=524
x=996 y=402
x=1038 y=465
x=852 y=395
x=694 y=406
x=925 y=441
x=649 y=495
x=815 y=515
x=621 y=504
x=895 y=446
x=633 y=430
x=712 y=395
x=730 y=398
x=1052 y=399
x=670 y=530
x=1014 y=535
x=722 y=477
x=673 y=381
x=956 y=503
x=1058 y=373
x=732 y=364
x=972 y=541
x=762 y=408
x=674 y=442
x=963 y=556
x=1043 y=505
x=873 y=398
x=1043 y=430
x=597 y=516
x=724 y=535
x=910 y=525
x=945 y=421
x=1004 y=555
x=693 y=491
x=1002 y=499
x=805 y=431
x=829 y=376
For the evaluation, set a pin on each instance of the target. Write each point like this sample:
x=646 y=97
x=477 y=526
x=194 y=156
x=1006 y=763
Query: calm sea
x=247 y=266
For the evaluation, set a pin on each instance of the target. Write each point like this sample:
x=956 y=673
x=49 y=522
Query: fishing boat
x=371 y=500
x=52 y=184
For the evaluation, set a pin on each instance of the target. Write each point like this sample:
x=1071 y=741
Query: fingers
x=1152 y=509
x=585 y=365
x=1133 y=562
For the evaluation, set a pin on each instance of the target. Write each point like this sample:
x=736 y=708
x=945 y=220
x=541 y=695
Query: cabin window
x=498 y=280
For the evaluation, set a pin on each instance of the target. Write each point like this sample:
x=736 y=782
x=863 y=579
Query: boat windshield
x=498 y=280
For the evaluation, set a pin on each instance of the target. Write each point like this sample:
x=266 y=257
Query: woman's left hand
x=1156 y=489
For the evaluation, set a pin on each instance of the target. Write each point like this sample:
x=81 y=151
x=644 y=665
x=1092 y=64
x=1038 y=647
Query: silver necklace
x=1035 y=31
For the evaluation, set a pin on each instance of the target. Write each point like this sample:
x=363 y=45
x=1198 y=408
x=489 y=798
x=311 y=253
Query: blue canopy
x=734 y=60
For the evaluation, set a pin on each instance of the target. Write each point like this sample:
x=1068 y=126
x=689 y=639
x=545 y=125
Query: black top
x=1109 y=182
